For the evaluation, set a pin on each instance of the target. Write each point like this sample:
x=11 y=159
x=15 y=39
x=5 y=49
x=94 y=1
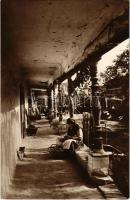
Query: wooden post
x=71 y=107
x=98 y=159
x=96 y=141
x=54 y=101
x=49 y=99
x=50 y=114
x=60 y=102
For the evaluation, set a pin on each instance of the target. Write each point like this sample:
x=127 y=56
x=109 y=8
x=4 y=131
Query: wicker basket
x=57 y=152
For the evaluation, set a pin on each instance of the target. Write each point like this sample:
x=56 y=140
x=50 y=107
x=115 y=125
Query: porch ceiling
x=49 y=37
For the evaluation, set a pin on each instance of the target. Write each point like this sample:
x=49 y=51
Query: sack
x=57 y=151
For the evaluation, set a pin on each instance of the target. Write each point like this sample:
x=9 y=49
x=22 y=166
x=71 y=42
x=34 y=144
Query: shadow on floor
x=39 y=176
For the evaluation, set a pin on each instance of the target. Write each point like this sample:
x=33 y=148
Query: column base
x=98 y=163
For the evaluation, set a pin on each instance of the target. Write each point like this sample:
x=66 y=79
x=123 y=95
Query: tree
x=117 y=76
x=119 y=68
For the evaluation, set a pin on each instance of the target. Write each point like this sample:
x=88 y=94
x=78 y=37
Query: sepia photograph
x=64 y=99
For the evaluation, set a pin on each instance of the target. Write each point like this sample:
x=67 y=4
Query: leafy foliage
x=119 y=68
x=117 y=77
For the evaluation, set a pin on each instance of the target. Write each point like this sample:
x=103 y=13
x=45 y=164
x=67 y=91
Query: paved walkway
x=40 y=177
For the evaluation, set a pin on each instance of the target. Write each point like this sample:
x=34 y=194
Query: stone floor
x=40 y=177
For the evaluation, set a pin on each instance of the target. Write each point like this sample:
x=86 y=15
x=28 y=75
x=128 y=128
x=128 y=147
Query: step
x=105 y=184
x=111 y=191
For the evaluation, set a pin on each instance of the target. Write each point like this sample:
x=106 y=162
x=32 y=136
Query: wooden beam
x=114 y=33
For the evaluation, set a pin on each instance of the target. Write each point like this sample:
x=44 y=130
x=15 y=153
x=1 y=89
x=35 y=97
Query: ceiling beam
x=113 y=34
